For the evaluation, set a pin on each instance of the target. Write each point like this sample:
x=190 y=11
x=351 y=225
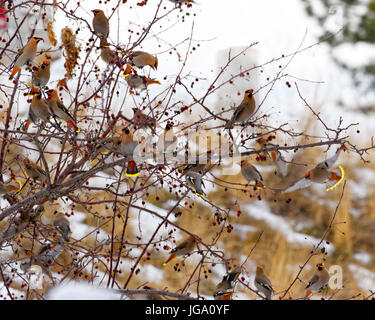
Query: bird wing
x=64 y=109
x=300 y=184
x=313 y=280
x=328 y=163
x=238 y=111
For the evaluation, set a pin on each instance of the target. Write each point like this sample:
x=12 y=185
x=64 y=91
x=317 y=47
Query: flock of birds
x=51 y=109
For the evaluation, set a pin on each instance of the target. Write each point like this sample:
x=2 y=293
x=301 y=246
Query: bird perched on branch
x=195 y=182
x=38 y=109
x=250 y=173
x=61 y=224
x=318 y=281
x=126 y=143
x=45 y=257
x=100 y=23
x=34 y=171
x=58 y=110
x=110 y=56
x=263 y=283
x=142 y=120
x=279 y=161
x=40 y=77
x=25 y=55
x=244 y=111
x=183 y=248
x=140 y=82
x=321 y=174
x=166 y=139
x=224 y=289
x=141 y=59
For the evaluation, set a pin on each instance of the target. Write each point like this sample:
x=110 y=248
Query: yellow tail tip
x=20 y=187
x=132 y=174
x=338 y=182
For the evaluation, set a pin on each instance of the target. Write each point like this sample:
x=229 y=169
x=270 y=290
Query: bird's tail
x=307 y=295
x=132 y=169
x=337 y=176
x=169 y=259
x=72 y=124
x=14 y=72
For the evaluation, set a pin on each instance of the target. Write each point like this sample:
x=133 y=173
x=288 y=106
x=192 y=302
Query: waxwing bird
x=166 y=139
x=110 y=56
x=244 y=111
x=127 y=144
x=251 y=173
x=141 y=59
x=195 y=182
x=224 y=289
x=58 y=110
x=132 y=169
x=41 y=76
x=38 y=109
x=140 y=82
x=10 y=187
x=279 y=161
x=61 y=224
x=106 y=146
x=262 y=283
x=318 y=281
x=45 y=257
x=34 y=171
x=100 y=23
x=142 y=120
x=25 y=55
x=183 y=248
x=322 y=175
x=201 y=166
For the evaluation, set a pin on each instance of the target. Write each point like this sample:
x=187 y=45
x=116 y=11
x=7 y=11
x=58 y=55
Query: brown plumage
x=34 y=171
x=251 y=173
x=141 y=59
x=142 y=120
x=244 y=111
x=58 y=110
x=126 y=143
x=318 y=281
x=61 y=223
x=321 y=174
x=38 y=110
x=183 y=248
x=140 y=82
x=25 y=55
x=167 y=139
x=224 y=289
x=41 y=76
x=100 y=23
x=262 y=283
